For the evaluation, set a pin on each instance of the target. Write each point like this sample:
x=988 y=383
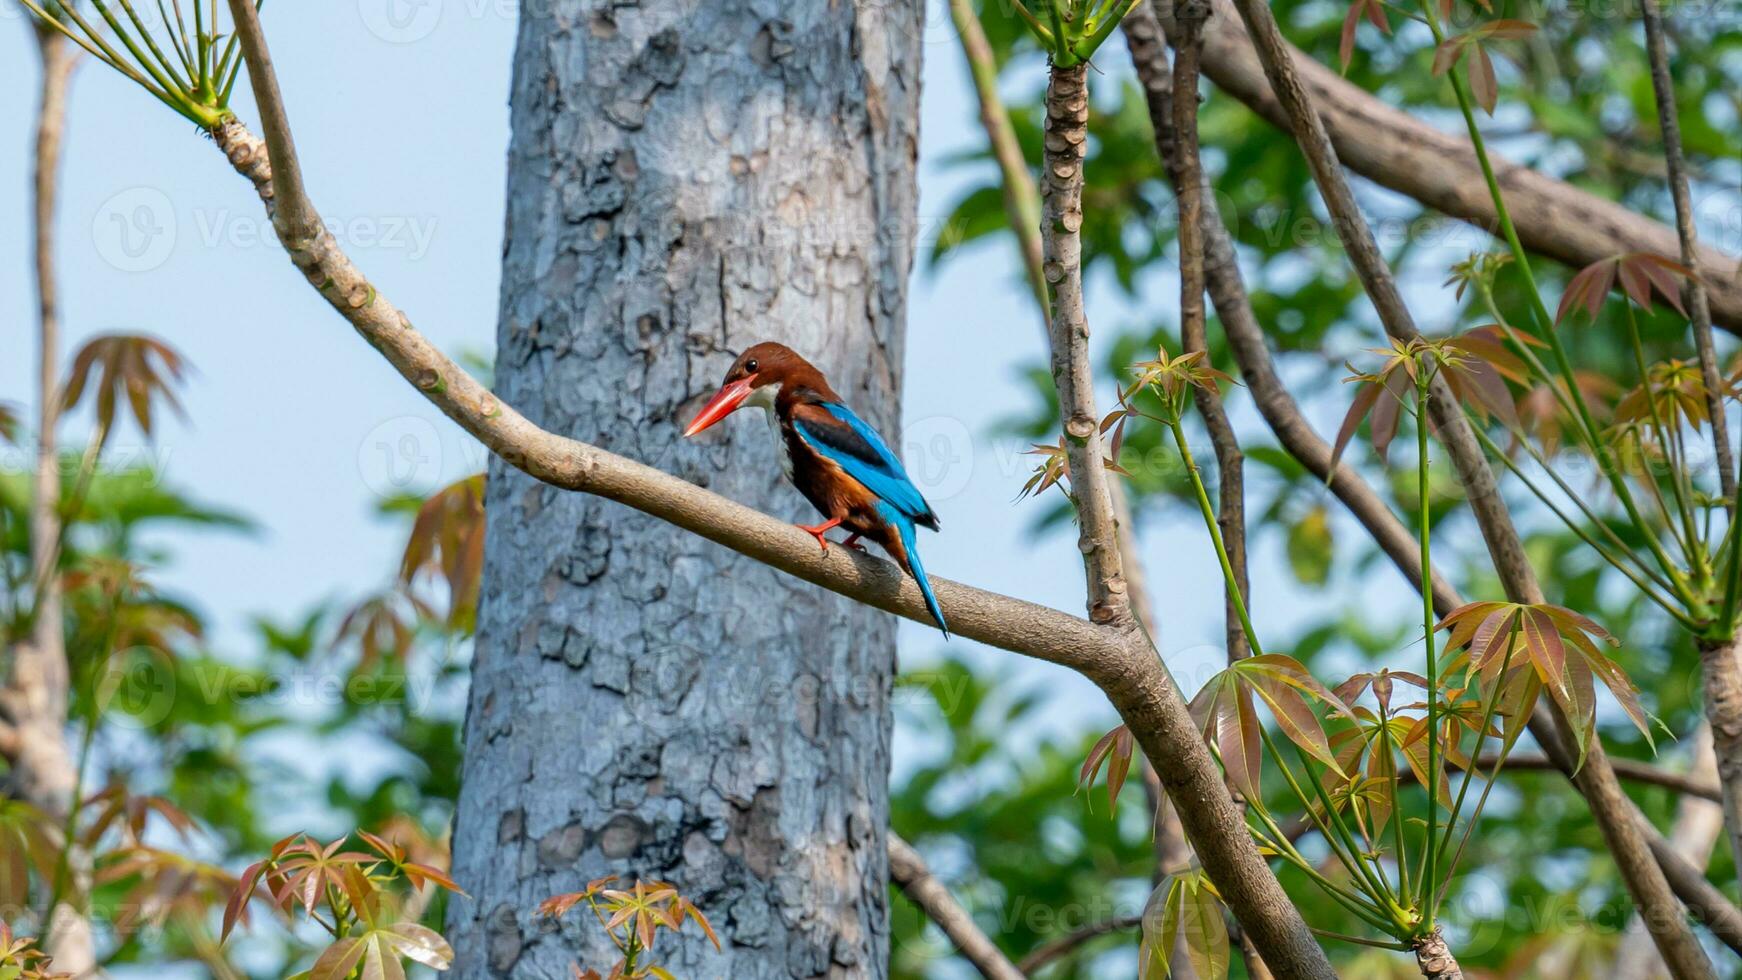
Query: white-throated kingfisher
x=840 y=464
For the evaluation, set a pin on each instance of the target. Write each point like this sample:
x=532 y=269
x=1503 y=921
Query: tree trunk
x=685 y=180
x=34 y=700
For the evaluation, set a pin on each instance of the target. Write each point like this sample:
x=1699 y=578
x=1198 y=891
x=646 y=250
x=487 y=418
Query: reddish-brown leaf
x=135 y=367
x=1505 y=30
x=1483 y=85
x=1365 y=395
x=1587 y=288
x=1447 y=53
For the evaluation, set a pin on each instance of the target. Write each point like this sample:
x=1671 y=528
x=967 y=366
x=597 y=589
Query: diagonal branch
x=1117 y=657
x=1699 y=309
x=1044 y=956
x=1405 y=154
x=1182 y=134
x=1246 y=338
x=1720 y=668
x=1596 y=780
x=909 y=872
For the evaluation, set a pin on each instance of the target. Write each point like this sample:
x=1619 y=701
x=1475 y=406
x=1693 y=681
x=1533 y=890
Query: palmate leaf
x=1561 y=647
x=115 y=807
x=1171 y=376
x=447 y=539
x=382 y=626
x=9 y=423
x=419 y=873
x=311 y=871
x=21 y=959
x=1379 y=682
x=557 y=906
x=160 y=884
x=643 y=910
x=379 y=952
x=1641 y=274
x=1475 y=366
x=1184 y=907
x=1224 y=711
x=126 y=366
x=1674 y=391
x=1055 y=466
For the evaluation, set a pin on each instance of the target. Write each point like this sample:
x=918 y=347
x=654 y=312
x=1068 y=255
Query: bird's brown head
x=762 y=366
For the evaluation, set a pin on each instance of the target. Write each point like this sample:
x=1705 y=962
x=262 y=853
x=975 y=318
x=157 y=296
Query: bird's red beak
x=724 y=403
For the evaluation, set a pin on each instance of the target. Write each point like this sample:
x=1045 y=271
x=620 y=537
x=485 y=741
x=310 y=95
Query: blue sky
x=401 y=120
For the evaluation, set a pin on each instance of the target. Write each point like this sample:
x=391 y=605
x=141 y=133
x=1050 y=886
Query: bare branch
x=1063 y=946
x=1067 y=132
x=1645 y=880
x=1246 y=336
x=1188 y=170
x=1021 y=200
x=908 y=870
x=295 y=215
x=1631 y=770
x=1694 y=290
x=1720 y=668
x=1398 y=151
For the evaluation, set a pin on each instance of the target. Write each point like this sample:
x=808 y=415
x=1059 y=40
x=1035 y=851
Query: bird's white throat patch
x=763 y=398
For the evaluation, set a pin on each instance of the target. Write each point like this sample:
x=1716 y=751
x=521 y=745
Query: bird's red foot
x=853 y=542
x=817 y=532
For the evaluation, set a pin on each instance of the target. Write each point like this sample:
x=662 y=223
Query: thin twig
x=1694 y=290
x=909 y=872
x=1057 y=949
x=1188 y=165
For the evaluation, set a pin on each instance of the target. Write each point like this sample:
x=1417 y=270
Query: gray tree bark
x=686 y=179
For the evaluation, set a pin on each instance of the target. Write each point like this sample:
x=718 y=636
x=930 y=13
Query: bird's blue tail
x=905 y=527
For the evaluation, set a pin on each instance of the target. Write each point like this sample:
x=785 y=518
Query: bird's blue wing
x=846 y=440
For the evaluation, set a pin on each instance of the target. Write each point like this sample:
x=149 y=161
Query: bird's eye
x=750 y=365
